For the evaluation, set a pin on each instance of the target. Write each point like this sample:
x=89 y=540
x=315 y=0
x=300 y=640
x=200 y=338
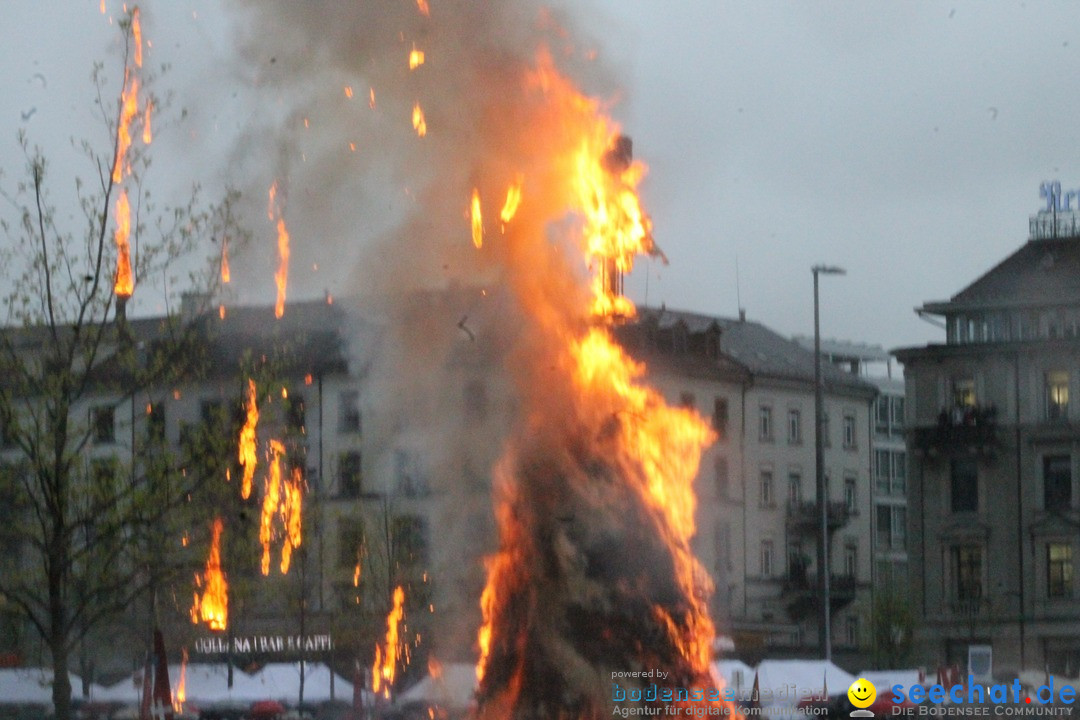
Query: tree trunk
x=61 y=691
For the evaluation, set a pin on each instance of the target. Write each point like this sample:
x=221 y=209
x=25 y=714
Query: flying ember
x=477 y=220
x=418 y=122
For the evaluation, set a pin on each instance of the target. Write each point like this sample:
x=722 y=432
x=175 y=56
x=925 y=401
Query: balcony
x=805 y=517
x=971 y=429
x=802 y=593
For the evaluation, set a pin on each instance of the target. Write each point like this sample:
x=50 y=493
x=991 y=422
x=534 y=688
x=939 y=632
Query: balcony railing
x=961 y=428
x=806 y=516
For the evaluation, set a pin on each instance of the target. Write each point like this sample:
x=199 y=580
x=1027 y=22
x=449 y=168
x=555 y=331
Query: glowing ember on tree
x=212 y=607
x=248 y=458
x=271 y=500
x=125 y=283
x=386 y=660
x=129 y=109
x=226 y=275
x=418 y=122
x=136 y=33
x=281 y=277
x=147 y=133
x=356 y=574
x=477 y=220
x=291 y=515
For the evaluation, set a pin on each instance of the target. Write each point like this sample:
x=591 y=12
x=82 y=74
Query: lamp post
x=824 y=632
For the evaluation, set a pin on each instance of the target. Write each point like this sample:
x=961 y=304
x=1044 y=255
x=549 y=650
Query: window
x=899 y=472
x=410 y=538
x=891 y=527
x=964 y=474
x=849 y=431
x=851 y=631
x=409 y=481
x=103 y=422
x=897 y=415
x=967 y=562
x=1057 y=482
x=1059 y=570
x=720 y=470
x=798 y=563
x=766 y=488
x=687 y=400
x=766 y=558
x=765 y=424
x=794 y=489
x=1057 y=395
x=349 y=411
x=963 y=390
x=350 y=542
x=851 y=561
x=794 y=427
x=881 y=470
x=720 y=416
x=881 y=415
x=155 y=421
x=851 y=498
x=350 y=474
x=295 y=417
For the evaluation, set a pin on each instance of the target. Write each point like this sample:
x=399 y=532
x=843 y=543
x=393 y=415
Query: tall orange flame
x=385 y=668
x=596 y=420
x=213 y=607
x=247 y=455
x=477 y=220
x=291 y=514
x=418 y=122
x=180 y=696
x=125 y=283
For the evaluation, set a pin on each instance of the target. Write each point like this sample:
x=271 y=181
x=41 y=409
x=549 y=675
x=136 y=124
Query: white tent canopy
x=453 y=689
x=207 y=684
x=33 y=686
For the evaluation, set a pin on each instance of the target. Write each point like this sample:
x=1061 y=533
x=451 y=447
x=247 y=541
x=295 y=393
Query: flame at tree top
x=281 y=277
x=125 y=283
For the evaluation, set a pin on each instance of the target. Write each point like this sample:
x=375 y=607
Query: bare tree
x=86 y=503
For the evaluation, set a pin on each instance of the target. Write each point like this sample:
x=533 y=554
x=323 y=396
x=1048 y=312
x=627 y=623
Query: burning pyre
x=593 y=495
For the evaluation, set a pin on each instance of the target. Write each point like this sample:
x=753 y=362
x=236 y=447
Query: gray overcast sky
x=903 y=141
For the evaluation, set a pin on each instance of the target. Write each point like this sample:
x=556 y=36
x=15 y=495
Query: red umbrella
x=267 y=709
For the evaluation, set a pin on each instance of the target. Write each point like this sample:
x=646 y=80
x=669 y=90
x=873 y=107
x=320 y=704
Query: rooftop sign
x=1059 y=217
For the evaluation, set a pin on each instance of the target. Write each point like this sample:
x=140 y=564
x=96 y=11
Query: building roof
x=749 y=347
x=1040 y=272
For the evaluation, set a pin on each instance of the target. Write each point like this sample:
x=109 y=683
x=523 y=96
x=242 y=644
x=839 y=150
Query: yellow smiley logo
x=862 y=693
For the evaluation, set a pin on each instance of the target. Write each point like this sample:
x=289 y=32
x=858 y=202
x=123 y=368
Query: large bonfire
x=514 y=176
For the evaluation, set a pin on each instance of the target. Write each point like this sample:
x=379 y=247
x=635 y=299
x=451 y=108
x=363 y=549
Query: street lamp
x=824 y=631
